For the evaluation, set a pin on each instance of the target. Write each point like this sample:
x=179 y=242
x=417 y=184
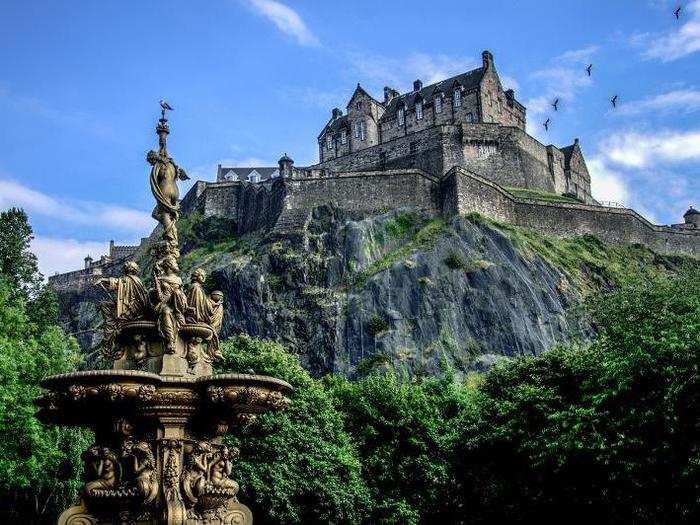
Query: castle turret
x=286 y=166
x=88 y=262
x=692 y=217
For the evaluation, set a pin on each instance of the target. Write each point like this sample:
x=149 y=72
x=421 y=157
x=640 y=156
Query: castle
x=454 y=147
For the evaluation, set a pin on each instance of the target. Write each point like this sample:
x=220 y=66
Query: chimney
x=389 y=93
x=111 y=248
x=417 y=85
x=337 y=113
x=487 y=58
x=576 y=141
x=510 y=96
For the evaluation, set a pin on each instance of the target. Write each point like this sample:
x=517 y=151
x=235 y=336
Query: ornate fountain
x=159 y=414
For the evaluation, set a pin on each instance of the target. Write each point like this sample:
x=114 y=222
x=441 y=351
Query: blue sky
x=251 y=79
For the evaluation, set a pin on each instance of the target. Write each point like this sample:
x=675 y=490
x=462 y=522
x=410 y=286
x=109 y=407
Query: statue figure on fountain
x=206 y=309
x=171 y=302
x=128 y=301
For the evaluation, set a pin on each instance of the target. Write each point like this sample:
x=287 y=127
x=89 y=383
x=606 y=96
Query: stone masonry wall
x=467 y=192
x=422 y=150
x=359 y=194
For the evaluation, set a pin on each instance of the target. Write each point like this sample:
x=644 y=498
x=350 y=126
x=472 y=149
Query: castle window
x=362 y=125
x=419 y=110
x=457 y=100
x=343 y=137
x=358 y=105
x=438 y=104
x=329 y=142
x=470 y=117
x=401 y=116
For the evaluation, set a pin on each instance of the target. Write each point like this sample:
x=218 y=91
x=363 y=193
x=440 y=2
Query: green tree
x=297 y=466
x=400 y=428
x=38 y=464
x=17 y=263
x=607 y=433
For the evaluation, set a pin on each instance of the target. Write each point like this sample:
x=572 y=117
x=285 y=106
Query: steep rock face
x=397 y=289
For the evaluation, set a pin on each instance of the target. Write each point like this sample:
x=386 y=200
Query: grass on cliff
x=588 y=261
x=523 y=193
x=417 y=237
x=203 y=239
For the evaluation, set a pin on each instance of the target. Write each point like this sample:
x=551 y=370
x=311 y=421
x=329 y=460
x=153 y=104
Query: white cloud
x=286 y=19
x=73 y=211
x=400 y=73
x=678 y=42
x=683 y=100
x=641 y=150
x=64 y=255
x=606 y=184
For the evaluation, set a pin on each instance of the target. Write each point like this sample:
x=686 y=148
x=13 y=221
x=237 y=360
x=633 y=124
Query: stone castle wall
x=464 y=192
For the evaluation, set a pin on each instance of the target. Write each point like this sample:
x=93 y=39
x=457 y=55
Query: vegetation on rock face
x=38 y=464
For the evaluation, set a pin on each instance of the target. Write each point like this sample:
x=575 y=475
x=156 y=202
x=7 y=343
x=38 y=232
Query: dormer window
x=457 y=99
x=401 y=116
x=419 y=110
x=438 y=104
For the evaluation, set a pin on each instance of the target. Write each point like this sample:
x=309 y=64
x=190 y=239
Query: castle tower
x=286 y=166
x=692 y=216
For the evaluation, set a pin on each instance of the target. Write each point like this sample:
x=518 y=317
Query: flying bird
x=588 y=69
x=555 y=104
x=546 y=125
x=613 y=101
x=164 y=105
x=677 y=12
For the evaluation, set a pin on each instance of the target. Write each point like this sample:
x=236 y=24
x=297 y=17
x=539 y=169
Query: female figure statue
x=171 y=303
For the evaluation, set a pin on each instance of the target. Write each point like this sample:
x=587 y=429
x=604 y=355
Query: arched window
x=457 y=99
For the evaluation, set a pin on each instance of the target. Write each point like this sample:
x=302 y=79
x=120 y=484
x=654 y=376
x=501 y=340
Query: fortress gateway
x=454 y=147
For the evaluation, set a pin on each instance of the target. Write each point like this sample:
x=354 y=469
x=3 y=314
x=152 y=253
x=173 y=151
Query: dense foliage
x=38 y=465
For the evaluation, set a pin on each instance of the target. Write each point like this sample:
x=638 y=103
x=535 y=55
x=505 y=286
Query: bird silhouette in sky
x=588 y=69
x=677 y=12
x=546 y=125
x=613 y=101
x=555 y=104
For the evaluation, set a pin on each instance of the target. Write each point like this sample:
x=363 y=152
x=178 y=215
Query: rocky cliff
x=353 y=294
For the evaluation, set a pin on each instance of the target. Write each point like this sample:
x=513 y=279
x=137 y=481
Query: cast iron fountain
x=159 y=414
